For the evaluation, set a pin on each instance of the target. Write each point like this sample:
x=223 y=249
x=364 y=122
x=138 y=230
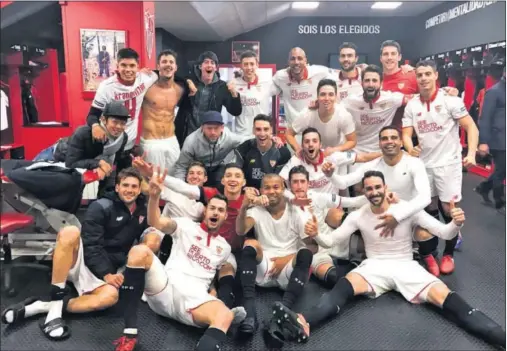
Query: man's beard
x=380 y=198
x=371 y=94
x=351 y=68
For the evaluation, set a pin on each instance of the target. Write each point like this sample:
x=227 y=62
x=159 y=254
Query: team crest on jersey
x=438 y=108
x=419 y=114
x=340 y=85
x=141 y=219
x=361 y=108
x=240 y=89
x=198 y=238
x=219 y=250
x=272 y=163
x=383 y=105
x=401 y=85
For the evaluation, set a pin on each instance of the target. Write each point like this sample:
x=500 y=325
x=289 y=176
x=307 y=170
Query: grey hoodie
x=198 y=148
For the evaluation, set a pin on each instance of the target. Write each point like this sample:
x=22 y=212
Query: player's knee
x=422 y=234
x=68 y=236
x=107 y=297
x=334 y=217
x=139 y=255
x=223 y=317
x=304 y=258
x=358 y=283
x=227 y=269
x=153 y=241
x=251 y=243
x=437 y=293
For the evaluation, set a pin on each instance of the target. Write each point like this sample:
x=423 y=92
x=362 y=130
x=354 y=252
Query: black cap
x=212 y=117
x=116 y=109
x=208 y=55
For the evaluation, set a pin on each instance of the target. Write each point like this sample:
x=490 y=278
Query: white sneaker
x=239 y=314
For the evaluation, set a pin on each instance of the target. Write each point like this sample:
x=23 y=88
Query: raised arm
x=437 y=228
x=245 y=223
x=155 y=219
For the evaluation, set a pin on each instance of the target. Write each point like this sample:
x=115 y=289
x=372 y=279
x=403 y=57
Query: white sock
x=130 y=331
x=30 y=310
x=239 y=314
x=55 y=311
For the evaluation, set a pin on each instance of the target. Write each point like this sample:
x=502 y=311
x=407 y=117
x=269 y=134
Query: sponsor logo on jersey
x=425 y=127
x=198 y=238
x=195 y=255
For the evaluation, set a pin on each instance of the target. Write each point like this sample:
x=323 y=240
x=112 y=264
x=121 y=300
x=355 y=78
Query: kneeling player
x=389 y=266
x=180 y=289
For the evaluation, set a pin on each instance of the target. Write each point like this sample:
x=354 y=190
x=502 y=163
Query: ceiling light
x=380 y=5
x=309 y=5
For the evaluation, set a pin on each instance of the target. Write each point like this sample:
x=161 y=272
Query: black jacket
x=492 y=121
x=220 y=97
x=80 y=150
x=108 y=232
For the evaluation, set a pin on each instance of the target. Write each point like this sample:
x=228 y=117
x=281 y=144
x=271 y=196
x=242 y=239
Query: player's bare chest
x=163 y=99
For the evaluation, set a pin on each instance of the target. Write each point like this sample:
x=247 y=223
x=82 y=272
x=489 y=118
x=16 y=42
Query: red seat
x=3 y=176
x=13 y=221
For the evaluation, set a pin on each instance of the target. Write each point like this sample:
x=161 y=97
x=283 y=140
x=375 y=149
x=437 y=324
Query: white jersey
x=179 y=205
x=4 y=101
x=319 y=182
x=277 y=237
x=408 y=179
x=195 y=253
x=348 y=86
x=256 y=98
x=370 y=118
x=332 y=132
x=297 y=96
x=393 y=247
x=437 y=128
x=112 y=89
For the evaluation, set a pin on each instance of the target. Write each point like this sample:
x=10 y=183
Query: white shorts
x=446 y=182
x=179 y=295
x=81 y=277
x=263 y=279
x=162 y=152
x=408 y=278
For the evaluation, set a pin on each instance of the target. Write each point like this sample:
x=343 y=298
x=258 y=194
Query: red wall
x=127 y=16
x=65 y=101
x=48 y=89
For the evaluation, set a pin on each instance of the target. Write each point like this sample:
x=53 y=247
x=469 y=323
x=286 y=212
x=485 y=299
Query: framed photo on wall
x=98 y=52
x=239 y=47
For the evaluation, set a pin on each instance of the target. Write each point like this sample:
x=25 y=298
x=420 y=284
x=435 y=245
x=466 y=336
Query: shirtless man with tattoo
x=158 y=140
